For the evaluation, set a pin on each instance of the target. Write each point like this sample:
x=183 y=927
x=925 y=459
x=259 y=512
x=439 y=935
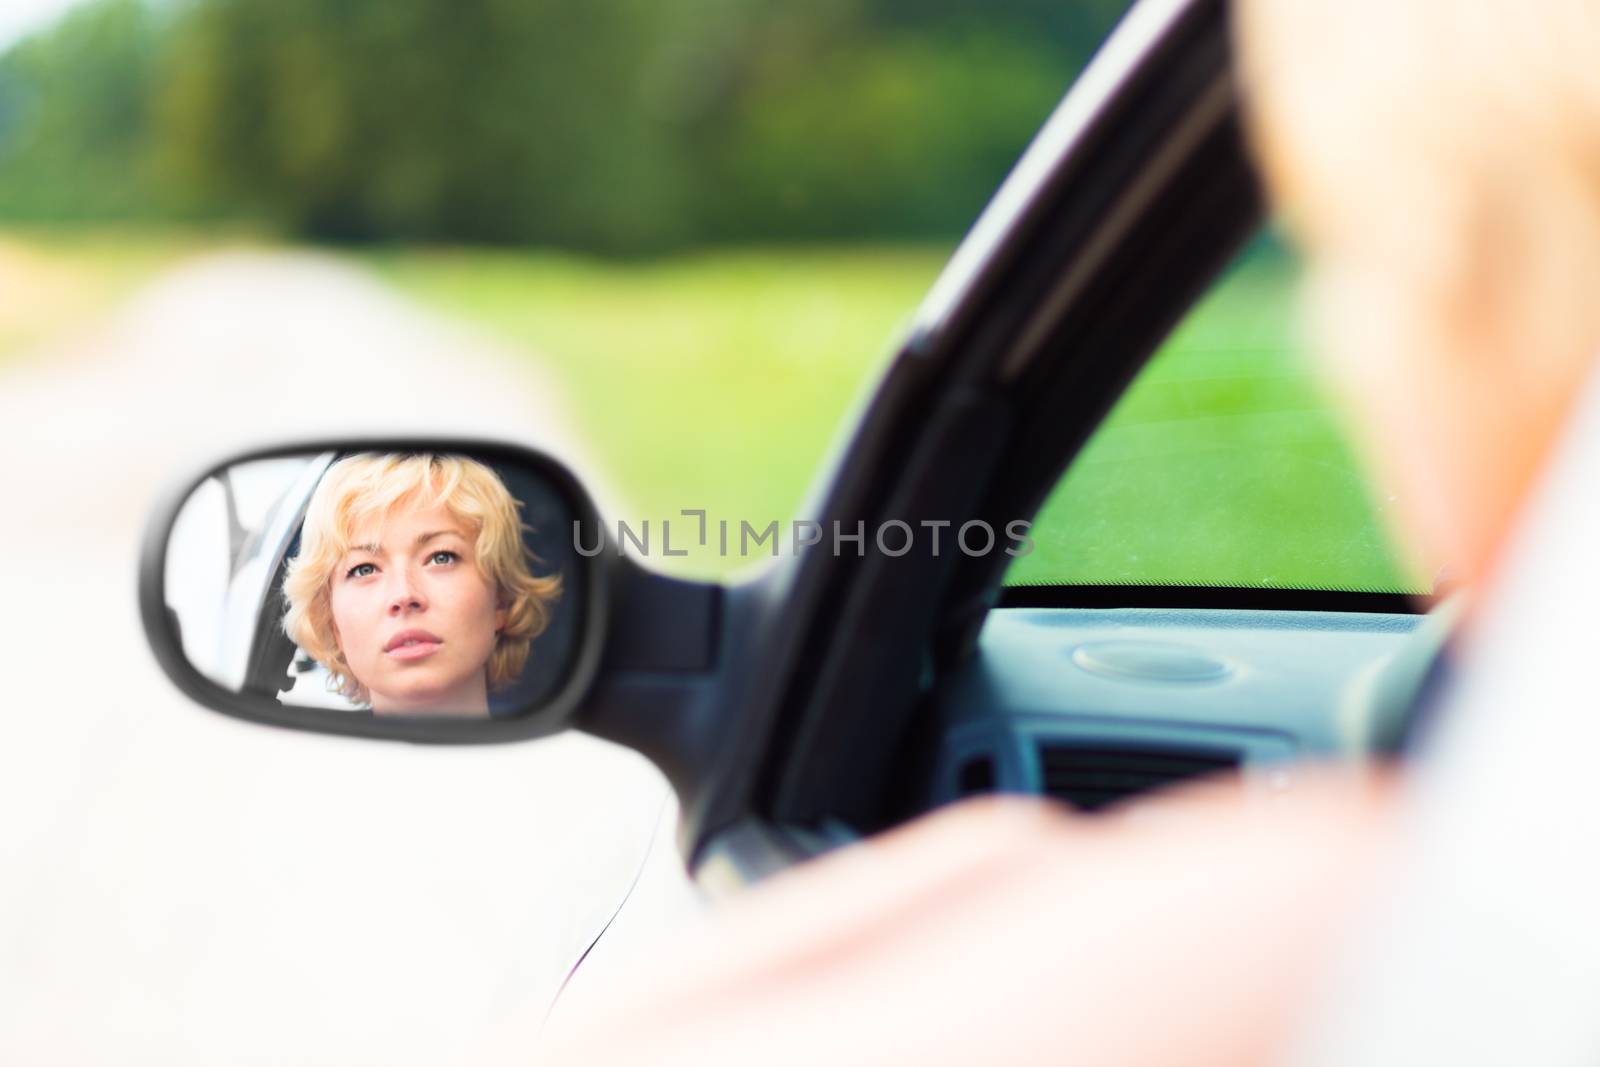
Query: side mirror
x=437 y=591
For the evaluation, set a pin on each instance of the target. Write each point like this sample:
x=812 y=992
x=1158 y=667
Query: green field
x=1223 y=464
x=718 y=381
x=721 y=381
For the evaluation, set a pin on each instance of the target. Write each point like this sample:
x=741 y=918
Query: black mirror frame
x=553 y=717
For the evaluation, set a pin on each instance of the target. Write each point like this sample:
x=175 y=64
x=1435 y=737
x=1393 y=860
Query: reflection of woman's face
x=413 y=615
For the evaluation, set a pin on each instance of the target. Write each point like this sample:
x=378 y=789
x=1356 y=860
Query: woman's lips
x=412 y=644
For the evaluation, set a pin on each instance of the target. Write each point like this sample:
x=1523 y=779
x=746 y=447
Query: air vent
x=1089 y=777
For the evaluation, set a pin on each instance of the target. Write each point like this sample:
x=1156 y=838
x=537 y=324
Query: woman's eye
x=361 y=570
x=443 y=556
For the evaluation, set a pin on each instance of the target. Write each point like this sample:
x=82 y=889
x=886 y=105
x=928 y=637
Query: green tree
x=606 y=125
x=73 y=116
x=898 y=135
x=478 y=120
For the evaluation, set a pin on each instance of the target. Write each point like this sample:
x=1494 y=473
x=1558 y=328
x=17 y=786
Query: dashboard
x=1095 y=705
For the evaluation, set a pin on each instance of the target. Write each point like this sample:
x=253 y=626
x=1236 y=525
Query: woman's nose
x=406 y=595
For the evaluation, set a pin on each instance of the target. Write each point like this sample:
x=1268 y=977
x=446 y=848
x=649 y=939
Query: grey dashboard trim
x=1296 y=679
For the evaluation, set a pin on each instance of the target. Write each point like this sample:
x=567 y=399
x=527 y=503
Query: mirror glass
x=410 y=584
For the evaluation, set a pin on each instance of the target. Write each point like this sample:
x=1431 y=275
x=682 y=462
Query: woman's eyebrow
x=376 y=549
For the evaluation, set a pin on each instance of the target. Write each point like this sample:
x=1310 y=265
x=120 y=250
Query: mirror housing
x=245 y=653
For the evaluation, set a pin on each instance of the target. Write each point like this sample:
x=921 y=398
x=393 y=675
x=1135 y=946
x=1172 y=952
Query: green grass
x=1223 y=464
x=721 y=380
x=718 y=380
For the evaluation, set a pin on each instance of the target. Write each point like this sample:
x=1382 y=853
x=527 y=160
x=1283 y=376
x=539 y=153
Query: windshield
x=1223 y=464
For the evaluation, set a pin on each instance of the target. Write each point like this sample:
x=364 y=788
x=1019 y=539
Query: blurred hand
x=1190 y=928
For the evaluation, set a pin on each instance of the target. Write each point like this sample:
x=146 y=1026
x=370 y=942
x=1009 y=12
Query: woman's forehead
x=405 y=522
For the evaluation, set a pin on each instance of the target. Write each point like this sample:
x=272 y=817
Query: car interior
x=924 y=681
x=1094 y=706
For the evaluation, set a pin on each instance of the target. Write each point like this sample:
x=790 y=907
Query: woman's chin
x=433 y=702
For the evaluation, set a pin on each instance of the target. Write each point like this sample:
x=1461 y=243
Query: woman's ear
x=501 y=613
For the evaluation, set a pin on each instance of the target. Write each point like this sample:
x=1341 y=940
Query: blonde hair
x=359 y=487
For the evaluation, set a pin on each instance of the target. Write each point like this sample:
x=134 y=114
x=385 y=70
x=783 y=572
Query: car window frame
x=1120 y=238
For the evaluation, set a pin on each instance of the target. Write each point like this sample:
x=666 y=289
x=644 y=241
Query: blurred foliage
x=75 y=123
x=606 y=125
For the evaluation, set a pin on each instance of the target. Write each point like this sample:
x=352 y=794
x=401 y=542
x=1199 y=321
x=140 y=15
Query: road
x=180 y=888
